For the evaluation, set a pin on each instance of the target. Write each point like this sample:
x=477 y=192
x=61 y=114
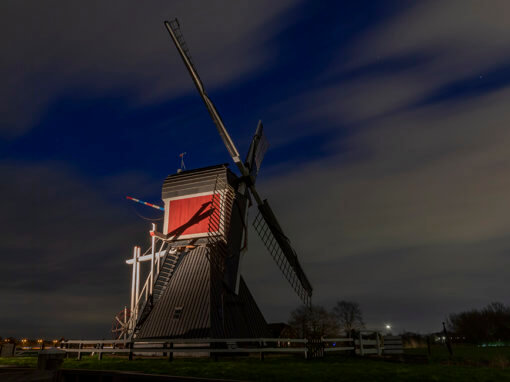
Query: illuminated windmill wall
x=198 y=291
x=191 y=198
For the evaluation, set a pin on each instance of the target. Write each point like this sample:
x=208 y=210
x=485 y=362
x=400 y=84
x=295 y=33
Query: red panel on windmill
x=191 y=216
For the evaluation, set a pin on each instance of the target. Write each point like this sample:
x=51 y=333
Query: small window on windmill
x=177 y=312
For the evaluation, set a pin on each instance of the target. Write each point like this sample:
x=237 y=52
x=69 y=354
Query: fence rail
x=361 y=345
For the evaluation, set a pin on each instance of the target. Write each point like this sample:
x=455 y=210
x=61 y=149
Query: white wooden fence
x=366 y=343
x=393 y=345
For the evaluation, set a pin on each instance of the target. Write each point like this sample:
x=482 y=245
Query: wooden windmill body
x=199 y=293
x=194 y=288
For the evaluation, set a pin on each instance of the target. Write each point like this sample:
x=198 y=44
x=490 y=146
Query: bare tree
x=313 y=321
x=348 y=315
x=491 y=323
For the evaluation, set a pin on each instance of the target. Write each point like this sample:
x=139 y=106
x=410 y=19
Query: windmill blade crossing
x=265 y=223
x=279 y=247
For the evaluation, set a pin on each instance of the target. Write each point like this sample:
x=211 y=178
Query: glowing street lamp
x=388 y=327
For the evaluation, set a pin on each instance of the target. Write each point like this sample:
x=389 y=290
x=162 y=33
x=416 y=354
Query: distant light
x=388 y=326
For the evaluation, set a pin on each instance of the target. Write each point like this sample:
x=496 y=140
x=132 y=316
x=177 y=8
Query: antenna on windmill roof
x=183 y=166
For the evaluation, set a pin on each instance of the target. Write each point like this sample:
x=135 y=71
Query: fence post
x=130 y=346
x=80 y=346
x=213 y=354
x=306 y=348
x=361 y=351
x=378 y=343
x=261 y=344
x=100 y=353
x=448 y=343
x=171 y=353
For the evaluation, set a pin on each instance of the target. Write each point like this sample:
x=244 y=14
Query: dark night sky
x=388 y=165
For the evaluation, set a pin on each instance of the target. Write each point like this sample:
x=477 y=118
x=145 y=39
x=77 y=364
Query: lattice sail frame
x=176 y=28
x=274 y=240
x=283 y=250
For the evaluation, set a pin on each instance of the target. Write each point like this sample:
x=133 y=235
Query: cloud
x=410 y=58
x=59 y=46
x=407 y=212
x=404 y=211
x=66 y=233
x=63 y=250
x=420 y=223
x=464 y=35
x=433 y=163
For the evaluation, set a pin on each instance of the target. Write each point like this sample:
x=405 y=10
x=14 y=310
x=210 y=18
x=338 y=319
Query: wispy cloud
x=52 y=47
x=409 y=207
x=405 y=210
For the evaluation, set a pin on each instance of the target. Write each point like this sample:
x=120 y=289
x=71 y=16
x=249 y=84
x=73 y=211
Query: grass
x=289 y=368
x=468 y=355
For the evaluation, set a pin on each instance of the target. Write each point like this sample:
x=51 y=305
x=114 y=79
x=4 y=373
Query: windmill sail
x=278 y=245
x=256 y=152
x=265 y=223
x=173 y=28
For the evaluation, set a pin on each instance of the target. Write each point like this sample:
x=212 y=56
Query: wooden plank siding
x=189 y=289
x=200 y=299
x=196 y=181
x=209 y=308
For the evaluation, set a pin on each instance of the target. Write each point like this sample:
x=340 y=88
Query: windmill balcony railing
x=139 y=297
x=150 y=281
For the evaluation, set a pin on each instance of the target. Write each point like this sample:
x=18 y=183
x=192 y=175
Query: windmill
x=194 y=287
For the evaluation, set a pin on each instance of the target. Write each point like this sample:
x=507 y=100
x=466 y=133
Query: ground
x=468 y=364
